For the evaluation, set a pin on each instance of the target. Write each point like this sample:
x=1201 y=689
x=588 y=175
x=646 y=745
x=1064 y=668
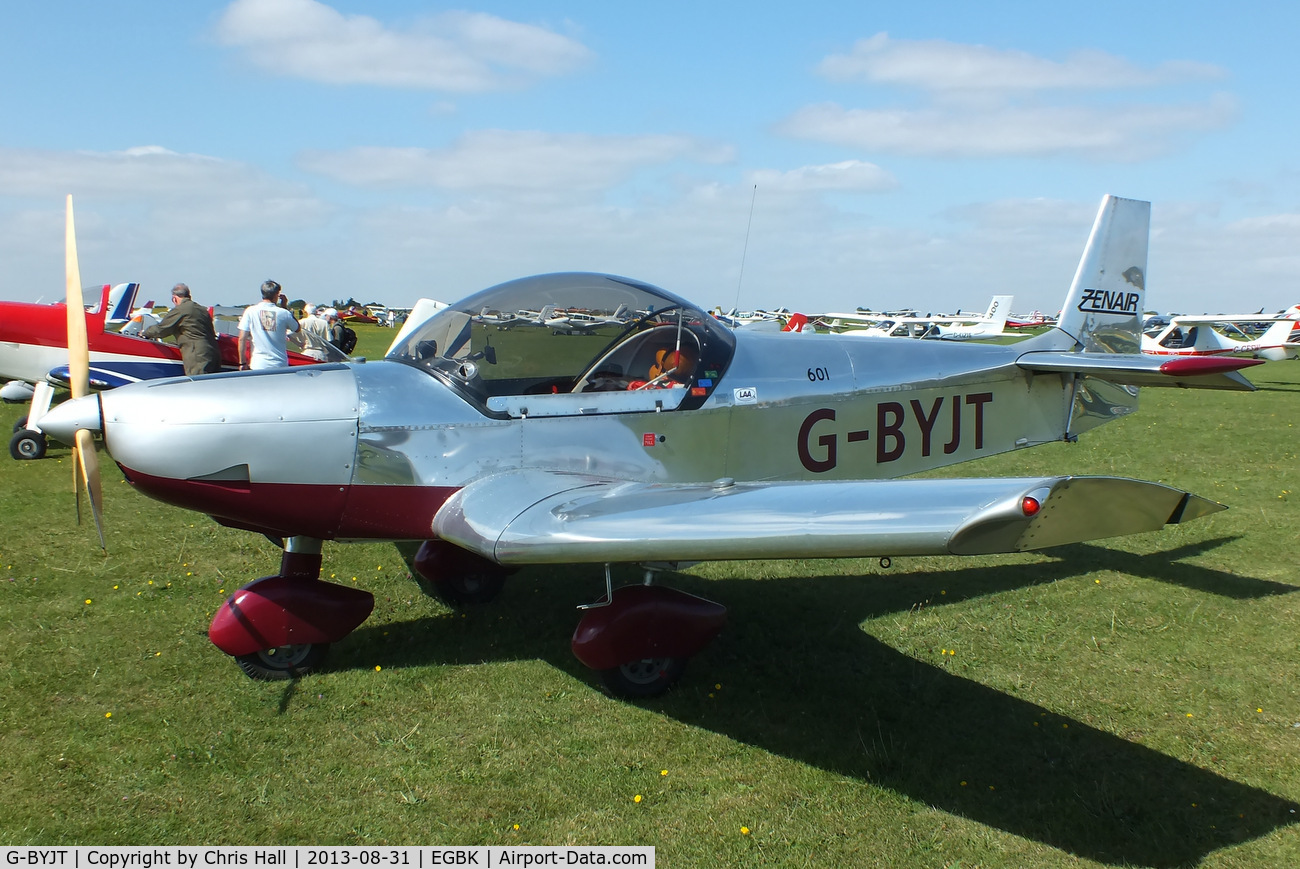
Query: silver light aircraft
x=676 y=440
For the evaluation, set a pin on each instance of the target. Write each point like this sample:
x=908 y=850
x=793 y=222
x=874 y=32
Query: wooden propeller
x=85 y=465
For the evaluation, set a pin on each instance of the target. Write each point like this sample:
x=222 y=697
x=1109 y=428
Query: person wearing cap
x=264 y=332
x=315 y=332
x=335 y=327
x=191 y=326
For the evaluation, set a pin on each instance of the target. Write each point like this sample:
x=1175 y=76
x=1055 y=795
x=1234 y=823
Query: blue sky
x=926 y=154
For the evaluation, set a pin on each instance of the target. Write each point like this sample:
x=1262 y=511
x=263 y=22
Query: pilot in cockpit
x=672 y=366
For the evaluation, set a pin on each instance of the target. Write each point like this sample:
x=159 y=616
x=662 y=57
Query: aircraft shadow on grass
x=1278 y=387
x=803 y=681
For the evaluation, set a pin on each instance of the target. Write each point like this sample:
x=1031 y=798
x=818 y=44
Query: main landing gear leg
x=280 y=627
x=639 y=637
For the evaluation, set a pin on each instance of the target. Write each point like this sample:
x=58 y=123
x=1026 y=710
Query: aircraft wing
x=1136 y=369
x=1188 y=319
x=534 y=517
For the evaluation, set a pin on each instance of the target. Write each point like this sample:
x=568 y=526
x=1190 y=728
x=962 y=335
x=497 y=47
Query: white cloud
x=937 y=65
x=456 y=52
x=1202 y=263
x=144 y=213
x=1122 y=133
x=977 y=101
x=506 y=160
x=846 y=176
x=141 y=172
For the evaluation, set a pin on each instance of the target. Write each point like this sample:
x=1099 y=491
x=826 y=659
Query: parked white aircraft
x=1222 y=335
x=949 y=328
x=738 y=319
x=508 y=320
x=582 y=323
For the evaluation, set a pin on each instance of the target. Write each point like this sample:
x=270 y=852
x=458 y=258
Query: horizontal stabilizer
x=112 y=374
x=535 y=517
x=1136 y=369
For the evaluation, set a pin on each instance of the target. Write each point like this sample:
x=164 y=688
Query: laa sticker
x=746 y=395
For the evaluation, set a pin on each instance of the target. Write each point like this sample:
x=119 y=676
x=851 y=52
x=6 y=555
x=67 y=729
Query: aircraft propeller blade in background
x=85 y=467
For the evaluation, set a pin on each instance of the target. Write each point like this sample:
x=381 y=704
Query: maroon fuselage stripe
x=381 y=512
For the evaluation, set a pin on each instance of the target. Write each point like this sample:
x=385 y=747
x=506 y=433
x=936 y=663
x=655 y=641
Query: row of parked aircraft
x=1257 y=335
x=950 y=327
x=561 y=321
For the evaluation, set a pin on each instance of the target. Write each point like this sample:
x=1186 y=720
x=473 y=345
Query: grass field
x=1127 y=702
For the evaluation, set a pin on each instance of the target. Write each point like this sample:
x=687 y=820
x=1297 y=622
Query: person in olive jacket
x=192 y=327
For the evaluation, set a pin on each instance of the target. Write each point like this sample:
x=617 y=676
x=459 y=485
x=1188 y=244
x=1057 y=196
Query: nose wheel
x=282 y=662
x=279 y=627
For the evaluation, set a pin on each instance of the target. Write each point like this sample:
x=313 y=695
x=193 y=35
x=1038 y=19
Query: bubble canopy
x=564 y=333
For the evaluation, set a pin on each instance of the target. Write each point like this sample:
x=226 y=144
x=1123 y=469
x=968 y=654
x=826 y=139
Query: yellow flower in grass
x=636 y=799
x=744 y=831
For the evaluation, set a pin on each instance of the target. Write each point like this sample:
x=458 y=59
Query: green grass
x=1127 y=702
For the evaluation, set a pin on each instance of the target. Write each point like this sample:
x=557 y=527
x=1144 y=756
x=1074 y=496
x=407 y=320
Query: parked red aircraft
x=34 y=348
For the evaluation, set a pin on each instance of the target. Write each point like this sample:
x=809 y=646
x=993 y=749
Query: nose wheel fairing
x=279 y=611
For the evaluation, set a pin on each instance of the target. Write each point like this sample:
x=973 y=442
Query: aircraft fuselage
x=372 y=450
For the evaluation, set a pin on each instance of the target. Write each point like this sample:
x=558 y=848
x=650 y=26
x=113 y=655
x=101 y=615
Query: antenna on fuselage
x=745 y=250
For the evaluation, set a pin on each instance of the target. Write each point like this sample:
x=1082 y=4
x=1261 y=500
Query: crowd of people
x=268 y=331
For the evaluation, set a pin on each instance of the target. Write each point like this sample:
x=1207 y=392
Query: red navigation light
x=1030 y=505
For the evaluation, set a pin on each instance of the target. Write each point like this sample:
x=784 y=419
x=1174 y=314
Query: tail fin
x=121 y=299
x=1277 y=342
x=1103 y=311
x=998 y=310
x=1278 y=333
x=796 y=323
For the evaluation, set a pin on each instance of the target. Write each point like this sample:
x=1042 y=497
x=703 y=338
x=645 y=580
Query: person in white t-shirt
x=263 y=332
x=314 y=332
